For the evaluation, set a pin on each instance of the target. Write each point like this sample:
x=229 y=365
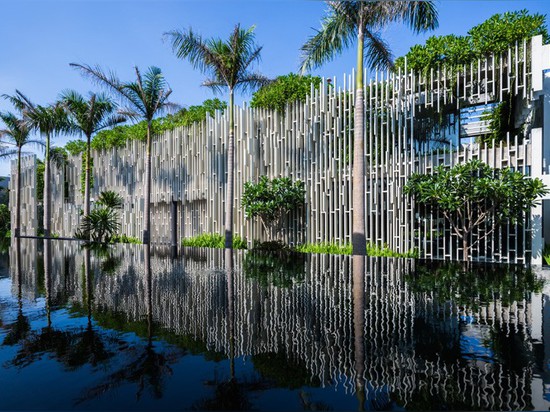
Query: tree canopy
x=473 y=194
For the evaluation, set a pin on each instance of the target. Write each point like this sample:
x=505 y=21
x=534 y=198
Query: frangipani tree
x=17 y=132
x=473 y=194
x=144 y=99
x=345 y=23
x=228 y=64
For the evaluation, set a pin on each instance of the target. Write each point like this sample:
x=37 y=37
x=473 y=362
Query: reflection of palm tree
x=230 y=394
x=20 y=329
x=149 y=367
x=359 y=327
x=73 y=349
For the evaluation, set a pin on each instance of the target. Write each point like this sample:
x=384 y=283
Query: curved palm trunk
x=47 y=194
x=146 y=209
x=359 y=242
x=230 y=174
x=17 y=228
x=87 y=178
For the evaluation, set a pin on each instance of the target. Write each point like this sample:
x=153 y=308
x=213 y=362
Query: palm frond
x=337 y=33
x=377 y=51
x=420 y=16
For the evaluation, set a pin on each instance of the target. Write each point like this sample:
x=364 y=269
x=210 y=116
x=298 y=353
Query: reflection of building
x=414 y=124
x=416 y=347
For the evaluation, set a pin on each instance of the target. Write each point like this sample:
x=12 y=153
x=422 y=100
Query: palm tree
x=18 y=133
x=144 y=98
x=345 y=22
x=48 y=120
x=227 y=64
x=90 y=116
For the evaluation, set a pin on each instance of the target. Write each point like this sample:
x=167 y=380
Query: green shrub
x=125 y=239
x=373 y=250
x=324 y=248
x=213 y=240
x=284 y=90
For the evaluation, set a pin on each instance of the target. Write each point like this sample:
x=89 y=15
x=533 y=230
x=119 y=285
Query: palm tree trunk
x=147 y=200
x=87 y=178
x=17 y=228
x=359 y=242
x=47 y=194
x=230 y=178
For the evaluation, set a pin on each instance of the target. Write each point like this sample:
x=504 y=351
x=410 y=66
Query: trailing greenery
x=213 y=240
x=5 y=224
x=272 y=200
x=471 y=195
x=284 y=90
x=495 y=35
x=501 y=121
x=118 y=136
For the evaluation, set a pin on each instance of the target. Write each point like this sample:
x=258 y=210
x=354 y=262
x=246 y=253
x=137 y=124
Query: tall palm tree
x=47 y=120
x=227 y=64
x=144 y=98
x=18 y=133
x=89 y=117
x=345 y=22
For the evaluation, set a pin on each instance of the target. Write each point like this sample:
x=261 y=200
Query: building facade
x=414 y=123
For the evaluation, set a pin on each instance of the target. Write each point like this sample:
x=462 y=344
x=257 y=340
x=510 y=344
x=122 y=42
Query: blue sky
x=41 y=37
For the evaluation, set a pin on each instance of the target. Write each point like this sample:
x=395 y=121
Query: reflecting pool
x=131 y=327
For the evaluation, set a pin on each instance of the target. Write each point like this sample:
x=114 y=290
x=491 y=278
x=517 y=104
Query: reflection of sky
x=472 y=341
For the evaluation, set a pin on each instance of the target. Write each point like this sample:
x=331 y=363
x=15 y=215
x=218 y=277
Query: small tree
x=271 y=201
x=473 y=194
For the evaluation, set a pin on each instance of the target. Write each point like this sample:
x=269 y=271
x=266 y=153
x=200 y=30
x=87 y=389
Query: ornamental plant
x=473 y=194
x=271 y=201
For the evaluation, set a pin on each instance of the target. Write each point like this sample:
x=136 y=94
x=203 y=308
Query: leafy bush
x=213 y=240
x=284 y=90
x=383 y=250
x=272 y=200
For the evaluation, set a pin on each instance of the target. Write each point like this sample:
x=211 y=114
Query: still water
x=136 y=328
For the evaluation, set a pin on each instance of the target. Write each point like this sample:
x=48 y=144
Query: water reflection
x=332 y=331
